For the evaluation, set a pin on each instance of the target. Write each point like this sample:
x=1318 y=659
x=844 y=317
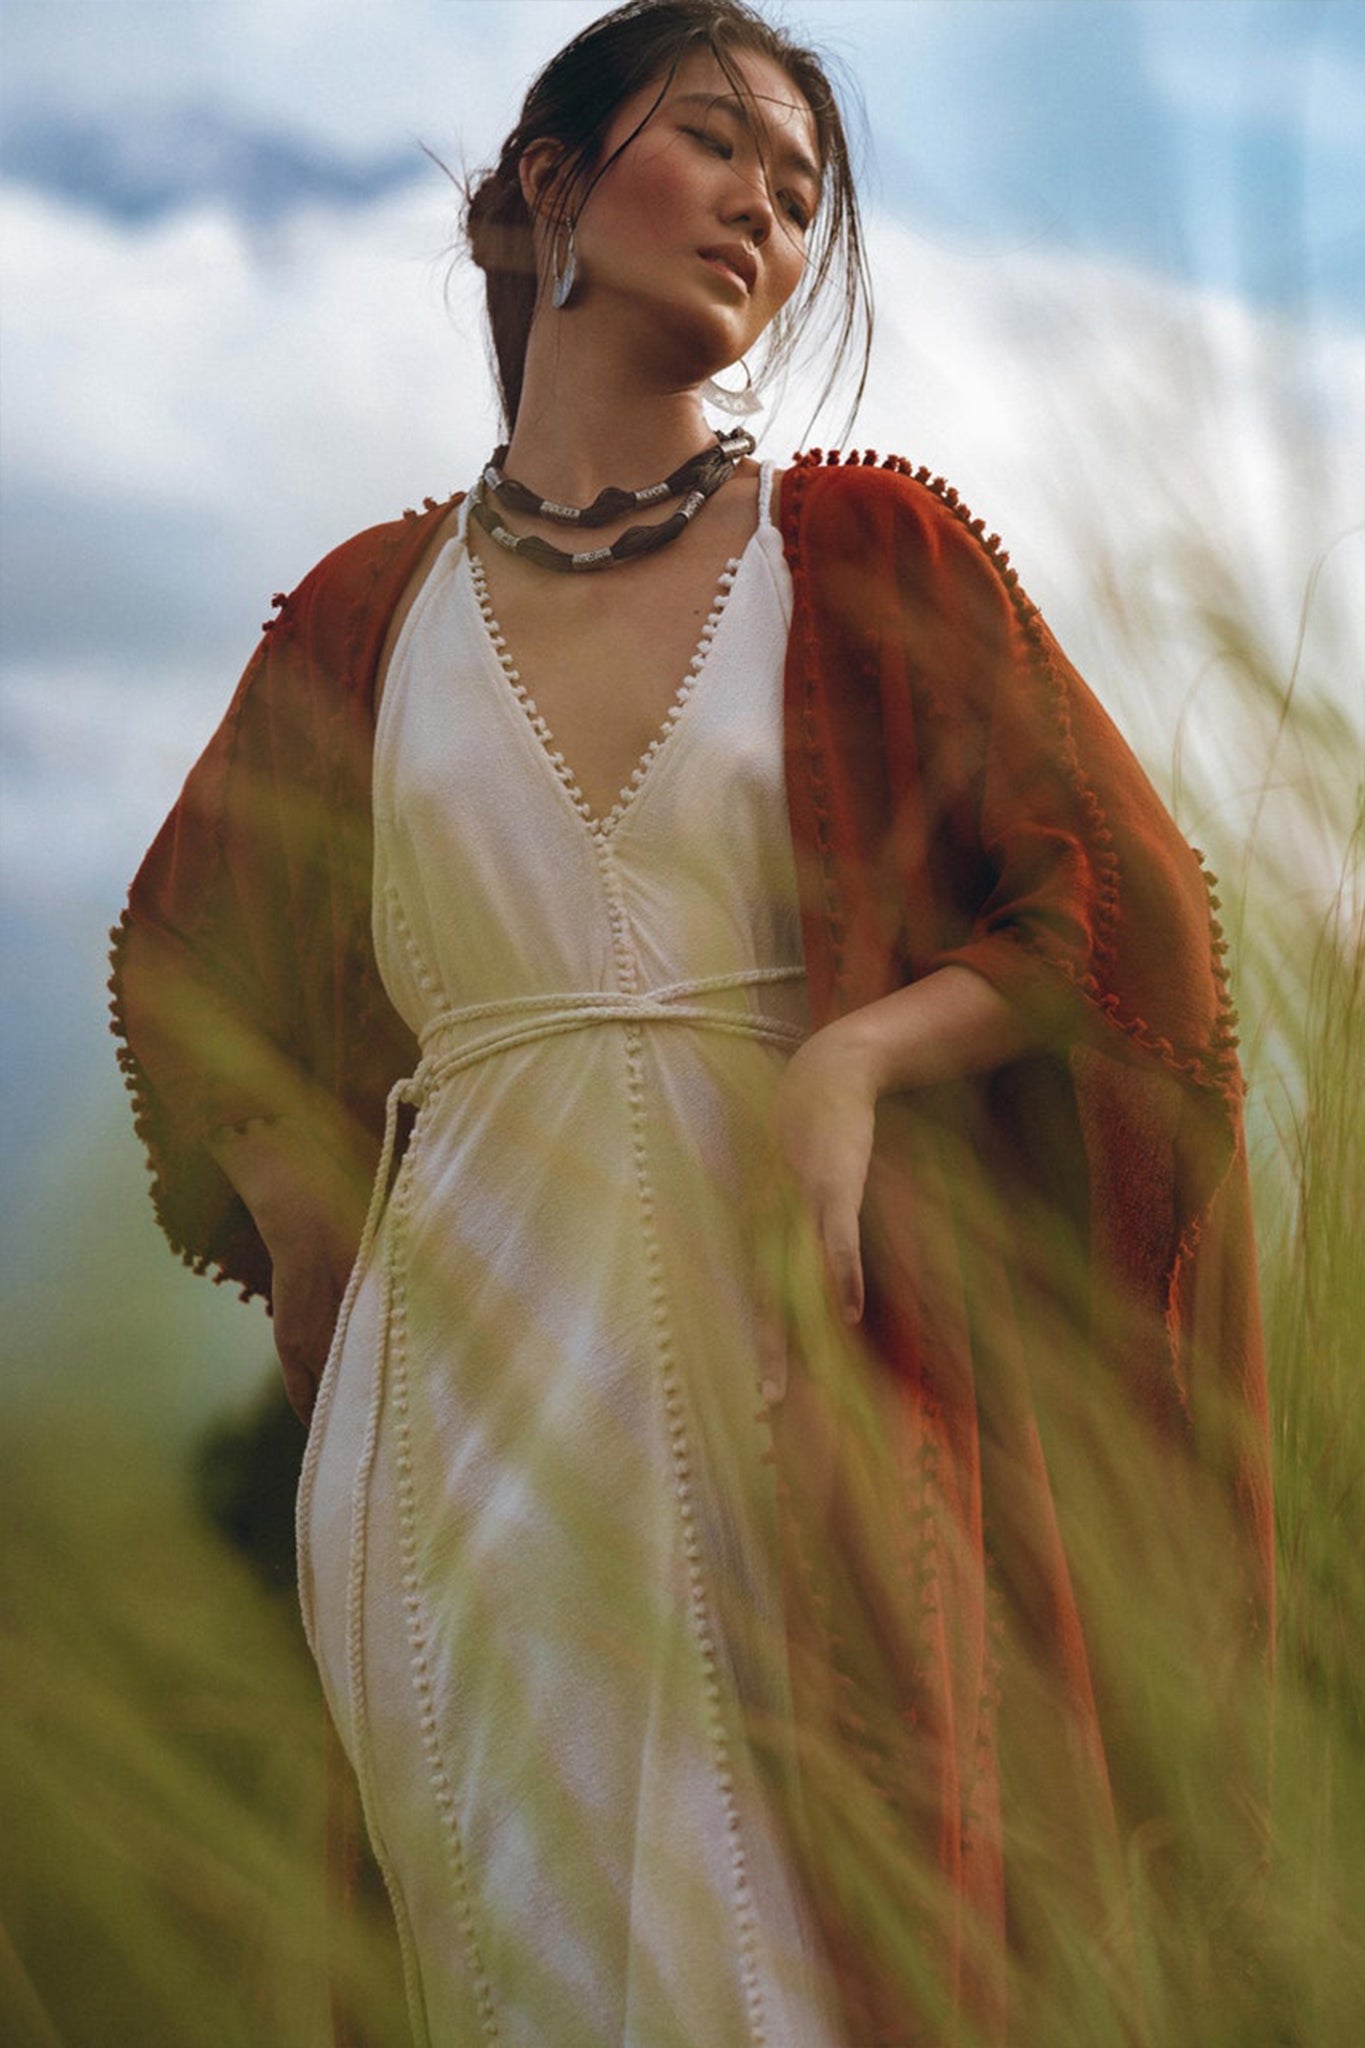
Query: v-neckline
x=602 y=828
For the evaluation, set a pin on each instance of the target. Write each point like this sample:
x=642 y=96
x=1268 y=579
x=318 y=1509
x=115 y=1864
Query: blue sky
x=1217 y=139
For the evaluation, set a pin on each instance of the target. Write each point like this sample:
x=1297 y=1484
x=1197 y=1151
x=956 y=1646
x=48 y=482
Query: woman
x=818 y=1121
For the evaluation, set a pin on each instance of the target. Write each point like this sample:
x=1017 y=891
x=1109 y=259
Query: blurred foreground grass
x=159 y=1757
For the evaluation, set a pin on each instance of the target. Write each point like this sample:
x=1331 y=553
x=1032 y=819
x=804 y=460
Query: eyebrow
x=731 y=104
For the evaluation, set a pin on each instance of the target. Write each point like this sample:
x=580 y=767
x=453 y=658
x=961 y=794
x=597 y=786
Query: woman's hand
x=824 y=1112
x=307 y=1186
x=308 y=1279
x=947 y=1025
x=823 y=1118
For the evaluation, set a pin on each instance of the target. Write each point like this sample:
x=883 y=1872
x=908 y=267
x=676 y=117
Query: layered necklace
x=693 y=482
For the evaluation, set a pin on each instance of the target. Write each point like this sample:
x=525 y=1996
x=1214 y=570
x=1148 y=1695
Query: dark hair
x=572 y=102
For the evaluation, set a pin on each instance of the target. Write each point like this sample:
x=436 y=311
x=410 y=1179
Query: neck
x=590 y=416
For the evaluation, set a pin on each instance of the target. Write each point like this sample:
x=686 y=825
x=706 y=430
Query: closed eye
x=795 y=208
x=715 y=143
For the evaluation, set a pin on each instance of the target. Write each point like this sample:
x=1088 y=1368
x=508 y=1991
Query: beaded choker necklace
x=707 y=471
x=613 y=502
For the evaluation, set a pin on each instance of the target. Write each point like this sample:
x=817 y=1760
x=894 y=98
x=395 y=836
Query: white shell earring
x=562 y=282
x=742 y=404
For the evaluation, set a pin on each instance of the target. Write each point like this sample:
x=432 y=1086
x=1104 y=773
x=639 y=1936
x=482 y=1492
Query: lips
x=734 y=258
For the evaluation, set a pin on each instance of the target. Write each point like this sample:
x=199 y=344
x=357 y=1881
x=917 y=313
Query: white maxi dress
x=537 y=1527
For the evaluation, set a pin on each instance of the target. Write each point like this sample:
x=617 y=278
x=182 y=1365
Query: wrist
x=859 y=1050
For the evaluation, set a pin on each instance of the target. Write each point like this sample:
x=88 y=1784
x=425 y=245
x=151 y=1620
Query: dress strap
x=765 y=493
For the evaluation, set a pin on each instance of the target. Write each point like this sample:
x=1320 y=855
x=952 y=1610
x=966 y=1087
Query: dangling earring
x=562 y=282
x=742 y=404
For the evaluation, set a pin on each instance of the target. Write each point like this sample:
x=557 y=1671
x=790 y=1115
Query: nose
x=752 y=207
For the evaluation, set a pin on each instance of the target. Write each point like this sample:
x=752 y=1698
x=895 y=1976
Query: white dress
x=537 y=1534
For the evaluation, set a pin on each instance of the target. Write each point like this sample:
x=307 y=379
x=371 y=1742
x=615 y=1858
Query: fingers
x=770 y=1319
x=772 y=1356
x=301 y=1390
x=306 y=1297
x=842 y=1249
x=302 y=1362
x=299 y=1353
x=806 y=1263
x=825 y=1135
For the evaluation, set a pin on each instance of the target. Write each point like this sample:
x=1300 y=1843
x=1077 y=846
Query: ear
x=538 y=173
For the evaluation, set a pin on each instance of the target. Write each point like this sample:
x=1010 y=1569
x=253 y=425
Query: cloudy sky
x=1120 y=260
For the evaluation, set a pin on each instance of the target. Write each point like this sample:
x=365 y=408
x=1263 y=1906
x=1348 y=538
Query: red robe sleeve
x=960 y=796
x=244 y=980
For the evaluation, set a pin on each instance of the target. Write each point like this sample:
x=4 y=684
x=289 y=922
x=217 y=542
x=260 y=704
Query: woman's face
x=700 y=225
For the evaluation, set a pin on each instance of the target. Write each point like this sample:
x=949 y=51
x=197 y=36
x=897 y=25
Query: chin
x=695 y=347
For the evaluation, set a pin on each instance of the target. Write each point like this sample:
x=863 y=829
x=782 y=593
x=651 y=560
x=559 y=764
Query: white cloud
x=93 y=752
x=1128 y=436
x=190 y=361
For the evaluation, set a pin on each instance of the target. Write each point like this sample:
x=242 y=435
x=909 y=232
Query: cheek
x=670 y=195
x=789 y=267
x=660 y=193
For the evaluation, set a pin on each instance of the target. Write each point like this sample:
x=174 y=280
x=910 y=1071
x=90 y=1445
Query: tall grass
x=160 y=1771
x=1301 y=944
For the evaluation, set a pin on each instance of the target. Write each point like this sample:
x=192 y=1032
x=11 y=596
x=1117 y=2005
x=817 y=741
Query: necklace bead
x=705 y=475
x=612 y=502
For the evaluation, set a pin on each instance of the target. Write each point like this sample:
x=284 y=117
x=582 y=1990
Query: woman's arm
x=244 y=982
x=948 y=1025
